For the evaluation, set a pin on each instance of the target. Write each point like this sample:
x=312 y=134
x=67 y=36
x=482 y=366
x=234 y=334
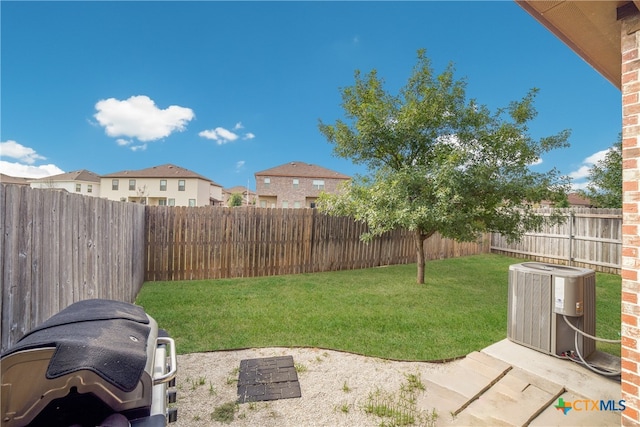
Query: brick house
x=167 y=184
x=606 y=34
x=295 y=185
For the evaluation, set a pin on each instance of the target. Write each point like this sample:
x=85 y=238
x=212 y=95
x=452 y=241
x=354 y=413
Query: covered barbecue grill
x=97 y=362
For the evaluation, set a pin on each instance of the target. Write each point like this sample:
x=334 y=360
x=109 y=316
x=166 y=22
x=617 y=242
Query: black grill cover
x=104 y=336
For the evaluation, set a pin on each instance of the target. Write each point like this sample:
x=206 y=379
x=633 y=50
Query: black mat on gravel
x=103 y=336
x=269 y=378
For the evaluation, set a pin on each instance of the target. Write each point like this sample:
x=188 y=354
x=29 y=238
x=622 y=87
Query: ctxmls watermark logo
x=590 y=405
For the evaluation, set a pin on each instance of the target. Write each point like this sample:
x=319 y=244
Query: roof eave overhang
x=592 y=29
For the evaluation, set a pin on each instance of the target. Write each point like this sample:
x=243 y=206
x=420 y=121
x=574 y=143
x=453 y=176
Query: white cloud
x=575 y=186
x=225 y=136
x=24 y=166
x=209 y=134
x=19 y=152
x=28 y=171
x=140 y=147
x=220 y=135
x=582 y=172
x=130 y=144
x=139 y=117
x=596 y=157
x=239 y=165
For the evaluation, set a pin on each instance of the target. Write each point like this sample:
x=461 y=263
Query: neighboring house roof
x=302 y=170
x=163 y=171
x=79 y=175
x=590 y=28
x=575 y=199
x=238 y=189
x=7 y=179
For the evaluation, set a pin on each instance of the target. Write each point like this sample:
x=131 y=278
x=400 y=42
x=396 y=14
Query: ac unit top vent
x=560 y=270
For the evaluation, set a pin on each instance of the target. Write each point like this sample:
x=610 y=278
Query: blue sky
x=227 y=89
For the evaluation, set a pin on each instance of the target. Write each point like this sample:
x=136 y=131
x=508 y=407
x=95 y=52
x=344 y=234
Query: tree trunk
x=419 y=238
x=420 y=258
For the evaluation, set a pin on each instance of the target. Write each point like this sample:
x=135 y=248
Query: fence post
x=572 y=218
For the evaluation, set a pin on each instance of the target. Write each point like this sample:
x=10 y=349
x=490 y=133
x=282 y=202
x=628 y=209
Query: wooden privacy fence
x=590 y=238
x=59 y=248
x=214 y=242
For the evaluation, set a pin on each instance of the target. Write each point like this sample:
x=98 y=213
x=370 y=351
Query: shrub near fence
x=59 y=248
x=214 y=242
x=590 y=238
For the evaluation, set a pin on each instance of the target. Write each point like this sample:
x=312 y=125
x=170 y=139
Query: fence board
x=590 y=238
x=214 y=242
x=59 y=248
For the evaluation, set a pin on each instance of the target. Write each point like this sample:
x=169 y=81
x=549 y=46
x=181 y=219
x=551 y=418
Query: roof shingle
x=79 y=175
x=302 y=170
x=8 y=179
x=162 y=171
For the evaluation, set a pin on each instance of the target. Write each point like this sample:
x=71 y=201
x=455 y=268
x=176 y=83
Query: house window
x=285 y=204
x=172 y=202
x=132 y=185
x=296 y=183
x=181 y=185
x=267 y=182
x=89 y=188
x=192 y=202
x=114 y=184
x=162 y=202
x=163 y=185
x=296 y=205
x=78 y=188
x=263 y=203
x=318 y=184
x=312 y=205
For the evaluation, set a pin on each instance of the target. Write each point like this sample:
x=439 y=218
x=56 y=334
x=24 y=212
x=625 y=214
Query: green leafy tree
x=563 y=203
x=439 y=163
x=605 y=179
x=235 y=200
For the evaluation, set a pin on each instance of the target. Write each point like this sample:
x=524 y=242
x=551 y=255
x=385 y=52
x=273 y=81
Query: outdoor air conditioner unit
x=540 y=295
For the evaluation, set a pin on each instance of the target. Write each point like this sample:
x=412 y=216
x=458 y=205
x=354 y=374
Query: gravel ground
x=335 y=387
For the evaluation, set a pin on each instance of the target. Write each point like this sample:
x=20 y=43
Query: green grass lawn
x=377 y=312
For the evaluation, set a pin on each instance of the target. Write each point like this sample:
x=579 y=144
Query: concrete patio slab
x=572 y=376
x=548 y=383
x=471 y=378
x=515 y=399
